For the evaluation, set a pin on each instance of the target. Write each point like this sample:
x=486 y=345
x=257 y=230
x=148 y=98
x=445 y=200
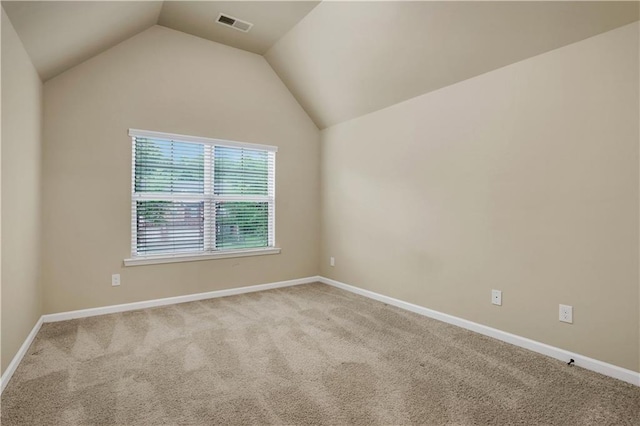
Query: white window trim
x=226 y=254
x=192 y=257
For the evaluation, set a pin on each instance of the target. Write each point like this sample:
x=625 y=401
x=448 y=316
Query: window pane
x=241 y=225
x=169 y=227
x=240 y=171
x=168 y=166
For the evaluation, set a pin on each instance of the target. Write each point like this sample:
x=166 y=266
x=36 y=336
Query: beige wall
x=21 y=151
x=164 y=80
x=524 y=179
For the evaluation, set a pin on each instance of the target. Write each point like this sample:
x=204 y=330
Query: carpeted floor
x=309 y=354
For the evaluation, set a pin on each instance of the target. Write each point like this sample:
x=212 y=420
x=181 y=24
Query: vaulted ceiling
x=271 y=20
x=339 y=59
x=61 y=34
x=346 y=59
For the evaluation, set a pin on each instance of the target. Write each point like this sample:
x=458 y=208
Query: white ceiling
x=61 y=34
x=346 y=59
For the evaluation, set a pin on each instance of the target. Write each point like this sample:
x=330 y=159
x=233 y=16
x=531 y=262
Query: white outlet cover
x=566 y=313
x=332 y=261
x=115 y=280
x=496 y=297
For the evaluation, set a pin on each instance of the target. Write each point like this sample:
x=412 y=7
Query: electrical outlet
x=496 y=297
x=115 y=280
x=566 y=313
x=332 y=261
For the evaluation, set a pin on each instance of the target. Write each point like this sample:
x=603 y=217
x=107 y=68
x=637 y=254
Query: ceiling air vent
x=236 y=24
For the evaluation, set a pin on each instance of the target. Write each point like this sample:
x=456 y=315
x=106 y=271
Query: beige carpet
x=310 y=354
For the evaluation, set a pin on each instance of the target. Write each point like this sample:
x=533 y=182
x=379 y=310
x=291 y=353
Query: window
x=196 y=198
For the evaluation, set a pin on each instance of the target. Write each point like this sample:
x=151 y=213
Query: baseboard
x=64 y=316
x=542 y=348
x=11 y=368
x=601 y=367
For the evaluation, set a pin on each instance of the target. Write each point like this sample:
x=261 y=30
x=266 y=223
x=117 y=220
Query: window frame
x=207 y=197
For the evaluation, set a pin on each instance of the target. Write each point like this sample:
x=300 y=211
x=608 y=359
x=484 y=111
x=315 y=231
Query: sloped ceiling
x=59 y=35
x=271 y=20
x=339 y=59
x=346 y=59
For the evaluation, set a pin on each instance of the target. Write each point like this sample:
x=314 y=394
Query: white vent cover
x=235 y=23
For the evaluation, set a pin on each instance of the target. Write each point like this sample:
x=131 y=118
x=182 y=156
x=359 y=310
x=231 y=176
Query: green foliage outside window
x=163 y=166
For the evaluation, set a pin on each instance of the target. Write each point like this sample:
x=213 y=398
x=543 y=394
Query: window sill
x=153 y=260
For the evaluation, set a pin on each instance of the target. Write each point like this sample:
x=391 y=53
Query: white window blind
x=200 y=196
